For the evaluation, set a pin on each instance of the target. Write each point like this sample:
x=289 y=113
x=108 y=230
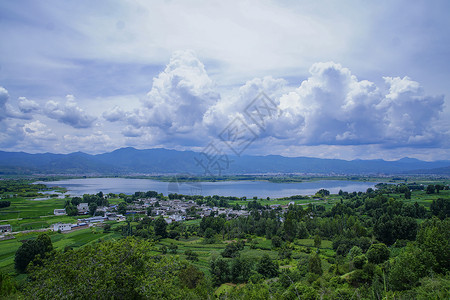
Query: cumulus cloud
x=68 y=113
x=333 y=107
x=38 y=130
x=114 y=114
x=27 y=105
x=218 y=116
x=179 y=97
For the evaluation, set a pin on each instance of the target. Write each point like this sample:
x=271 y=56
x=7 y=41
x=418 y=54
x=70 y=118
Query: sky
x=329 y=79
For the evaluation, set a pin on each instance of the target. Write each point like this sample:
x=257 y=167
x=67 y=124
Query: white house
x=59 y=212
x=62 y=227
x=5 y=228
x=83 y=208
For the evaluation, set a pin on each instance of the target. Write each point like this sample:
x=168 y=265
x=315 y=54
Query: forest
x=391 y=242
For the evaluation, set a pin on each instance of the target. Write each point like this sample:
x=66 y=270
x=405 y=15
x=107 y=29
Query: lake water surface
x=261 y=189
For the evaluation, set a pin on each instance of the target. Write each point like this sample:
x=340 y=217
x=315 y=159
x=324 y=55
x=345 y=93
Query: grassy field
x=27 y=208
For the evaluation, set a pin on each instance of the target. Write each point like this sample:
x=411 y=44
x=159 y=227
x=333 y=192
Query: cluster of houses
x=172 y=210
x=178 y=210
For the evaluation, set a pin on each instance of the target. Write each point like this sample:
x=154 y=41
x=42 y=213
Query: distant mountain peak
x=408 y=160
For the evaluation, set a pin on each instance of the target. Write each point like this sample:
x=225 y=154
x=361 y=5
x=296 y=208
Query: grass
x=26 y=208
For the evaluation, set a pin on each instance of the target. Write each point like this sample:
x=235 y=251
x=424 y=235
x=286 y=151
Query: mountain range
x=128 y=161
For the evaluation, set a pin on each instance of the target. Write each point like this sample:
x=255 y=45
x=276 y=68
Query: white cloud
x=114 y=114
x=27 y=105
x=38 y=130
x=179 y=97
x=130 y=131
x=333 y=107
x=69 y=113
x=228 y=108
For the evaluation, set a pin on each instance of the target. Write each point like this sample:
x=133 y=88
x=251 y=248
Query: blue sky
x=350 y=79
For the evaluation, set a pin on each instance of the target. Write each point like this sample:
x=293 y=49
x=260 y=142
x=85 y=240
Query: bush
x=378 y=253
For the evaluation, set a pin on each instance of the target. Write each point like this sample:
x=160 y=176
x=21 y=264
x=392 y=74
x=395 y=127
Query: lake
x=261 y=189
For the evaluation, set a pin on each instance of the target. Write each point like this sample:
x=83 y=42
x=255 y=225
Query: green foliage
x=315 y=264
x=232 y=249
x=173 y=248
x=317 y=241
x=407 y=268
x=388 y=229
x=7 y=286
x=434 y=237
x=378 y=253
x=276 y=241
x=267 y=267
x=190 y=276
x=161 y=227
x=355 y=251
x=240 y=270
x=440 y=208
x=359 y=261
x=191 y=255
x=123 y=269
x=28 y=251
x=5 y=204
x=122 y=208
x=220 y=271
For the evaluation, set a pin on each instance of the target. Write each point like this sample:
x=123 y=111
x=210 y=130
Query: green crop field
x=27 y=208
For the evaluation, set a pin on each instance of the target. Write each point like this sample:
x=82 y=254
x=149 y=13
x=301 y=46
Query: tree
x=71 y=210
x=302 y=231
x=122 y=209
x=430 y=189
x=92 y=208
x=123 y=269
x=267 y=267
x=30 y=249
x=378 y=253
x=388 y=229
x=440 y=208
x=5 y=204
x=438 y=187
x=323 y=193
x=191 y=277
x=232 y=249
x=434 y=237
x=191 y=255
x=408 y=194
x=220 y=271
x=408 y=267
x=315 y=264
x=317 y=241
x=276 y=241
x=240 y=270
x=161 y=227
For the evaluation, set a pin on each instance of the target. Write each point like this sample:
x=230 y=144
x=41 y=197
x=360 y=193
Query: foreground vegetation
x=388 y=243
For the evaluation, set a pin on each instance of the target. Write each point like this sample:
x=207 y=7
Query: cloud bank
x=184 y=109
x=331 y=107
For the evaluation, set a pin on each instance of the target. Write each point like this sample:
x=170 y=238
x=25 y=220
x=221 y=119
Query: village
x=175 y=210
